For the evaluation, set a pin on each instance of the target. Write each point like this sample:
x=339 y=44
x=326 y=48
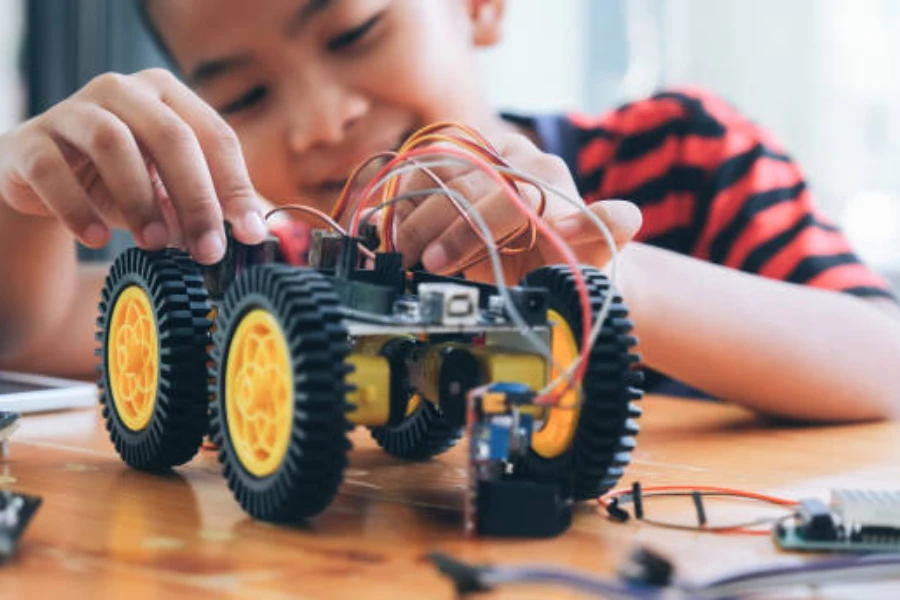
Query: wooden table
x=106 y=531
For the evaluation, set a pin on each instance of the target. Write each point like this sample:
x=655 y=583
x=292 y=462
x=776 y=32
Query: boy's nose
x=323 y=117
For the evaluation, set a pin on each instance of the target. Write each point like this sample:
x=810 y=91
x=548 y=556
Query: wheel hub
x=259 y=393
x=133 y=355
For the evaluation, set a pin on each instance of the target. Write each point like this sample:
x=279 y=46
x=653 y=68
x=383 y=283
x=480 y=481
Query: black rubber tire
x=607 y=426
x=422 y=435
x=181 y=309
x=306 y=307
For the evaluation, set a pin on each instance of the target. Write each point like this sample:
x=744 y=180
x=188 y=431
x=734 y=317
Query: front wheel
x=586 y=443
x=279 y=415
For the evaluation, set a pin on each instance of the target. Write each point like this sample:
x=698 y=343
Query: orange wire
x=700 y=488
x=482 y=148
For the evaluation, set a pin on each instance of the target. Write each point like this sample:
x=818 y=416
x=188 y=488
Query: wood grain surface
x=106 y=531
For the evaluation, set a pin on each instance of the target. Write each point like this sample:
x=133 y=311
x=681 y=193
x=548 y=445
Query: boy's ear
x=487 y=21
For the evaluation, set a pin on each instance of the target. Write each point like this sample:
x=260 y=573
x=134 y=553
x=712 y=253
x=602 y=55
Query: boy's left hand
x=433 y=231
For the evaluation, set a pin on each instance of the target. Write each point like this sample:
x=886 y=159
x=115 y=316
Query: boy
x=306 y=89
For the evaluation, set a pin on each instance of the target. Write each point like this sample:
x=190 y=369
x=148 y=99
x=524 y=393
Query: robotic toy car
x=278 y=362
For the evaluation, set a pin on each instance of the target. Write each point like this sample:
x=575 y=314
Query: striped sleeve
x=713 y=185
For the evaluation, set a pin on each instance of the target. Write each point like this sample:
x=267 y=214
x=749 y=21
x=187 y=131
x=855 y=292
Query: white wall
x=540 y=64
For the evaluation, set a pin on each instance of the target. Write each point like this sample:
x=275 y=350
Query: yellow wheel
x=153 y=334
x=556 y=436
x=133 y=348
x=586 y=441
x=279 y=392
x=259 y=393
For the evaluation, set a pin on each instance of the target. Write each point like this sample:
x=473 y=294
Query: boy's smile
x=314 y=87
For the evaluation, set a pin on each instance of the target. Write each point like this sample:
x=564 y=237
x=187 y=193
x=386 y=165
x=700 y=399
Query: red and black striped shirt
x=711 y=185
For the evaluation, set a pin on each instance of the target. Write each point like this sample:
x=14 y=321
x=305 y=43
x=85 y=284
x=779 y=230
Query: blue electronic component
x=508 y=435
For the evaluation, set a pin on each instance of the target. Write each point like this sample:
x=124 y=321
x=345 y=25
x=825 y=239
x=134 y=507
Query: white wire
x=442 y=160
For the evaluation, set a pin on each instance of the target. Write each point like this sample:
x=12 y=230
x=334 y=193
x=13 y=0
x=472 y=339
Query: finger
x=177 y=153
x=427 y=178
x=170 y=215
x=623 y=219
x=224 y=156
x=461 y=240
x=111 y=147
x=435 y=215
x=45 y=169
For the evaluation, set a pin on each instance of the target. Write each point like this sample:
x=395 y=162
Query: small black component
x=460 y=372
x=238 y=257
x=816 y=520
x=648 y=568
x=348 y=258
x=368 y=235
x=638 y=500
x=388 y=270
x=365 y=297
x=324 y=249
x=466 y=578
x=520 y=508
x=16 y=511
x=531 y=304
x=701 y=512
x=616 y=512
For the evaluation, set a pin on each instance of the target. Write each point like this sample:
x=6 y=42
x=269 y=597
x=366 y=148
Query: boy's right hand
x=138 y=151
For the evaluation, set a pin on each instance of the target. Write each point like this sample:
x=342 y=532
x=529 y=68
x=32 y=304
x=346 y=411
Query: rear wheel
x=153 y=331
x=586 y=443
x=279 y=387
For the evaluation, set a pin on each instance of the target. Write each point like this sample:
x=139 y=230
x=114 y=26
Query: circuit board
x=792 y=538
x=855 y=521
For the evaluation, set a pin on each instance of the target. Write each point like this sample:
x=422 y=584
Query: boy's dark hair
x=141 y=7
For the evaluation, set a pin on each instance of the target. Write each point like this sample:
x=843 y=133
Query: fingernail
x=209 y=248
x=155 y=235
x=254 y=227
x=624 y=212
x=95 y=235
x=435 y=258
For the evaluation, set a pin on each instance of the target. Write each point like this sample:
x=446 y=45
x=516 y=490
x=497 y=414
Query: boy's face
x=313 y=87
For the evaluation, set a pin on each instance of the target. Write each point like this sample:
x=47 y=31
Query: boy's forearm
x=774 y=347
x=40 y=284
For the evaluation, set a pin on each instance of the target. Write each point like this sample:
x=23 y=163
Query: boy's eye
x=353 y=36
x=250 y=98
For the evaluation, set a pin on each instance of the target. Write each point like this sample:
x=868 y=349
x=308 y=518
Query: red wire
x=605 y=501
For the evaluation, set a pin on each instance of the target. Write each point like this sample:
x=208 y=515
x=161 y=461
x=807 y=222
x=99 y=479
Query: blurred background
x=820 y=74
